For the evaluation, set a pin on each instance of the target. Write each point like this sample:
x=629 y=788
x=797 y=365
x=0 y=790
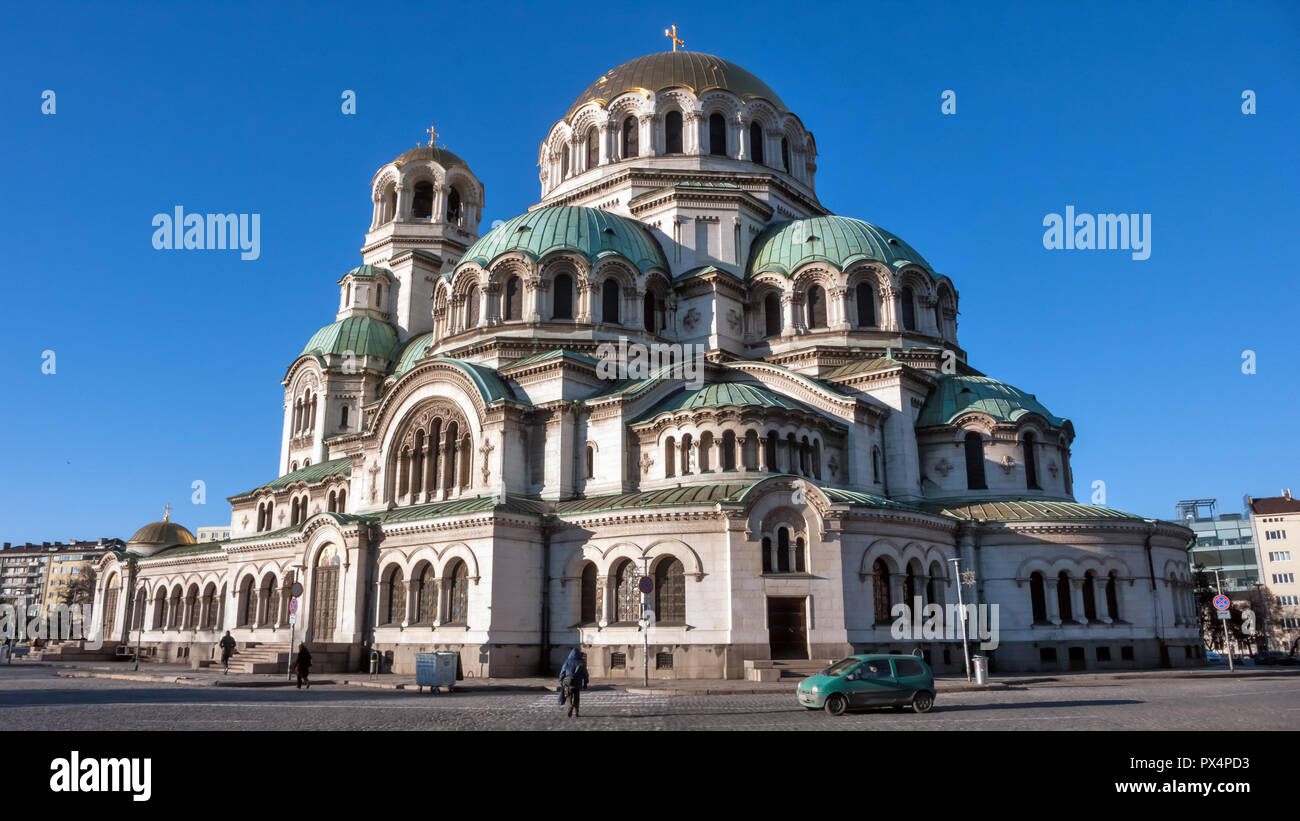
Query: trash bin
x=981 y=664
x=434 y=670
x=374 y=662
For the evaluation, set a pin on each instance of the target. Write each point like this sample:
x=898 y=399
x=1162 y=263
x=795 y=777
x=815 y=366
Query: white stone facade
x=456 y=472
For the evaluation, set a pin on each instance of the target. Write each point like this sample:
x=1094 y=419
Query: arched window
x=593 y=148
x=875 y=465
x=648 y=312
x=685 y=449
x=706 y=452
x=343 y=500
x=782 y=550
x=767 y=554
x=587 y=604
x=1112 y=595
x=393 y=610
x=1090 y=596
x=564 y=163
x=728 y=451
x=137 y=610
x=270 y=594
x=513 y=300
x=673 y=133
x=975 y=462
x=670 y=457
x=458 y=593
x=609 y=299
x=909 y=310
x=453 y=206
x=670 y=592
x=785 y=154
x=866 y=305
x=160 y=609
x=563 y=305
x=1038 y=597
x=630 y=137
x=1063 y=602
x=756 y=142
x=627 y=598
x=247 y=602
x=816 y=307
x=771 y=315
x=769 y=455
x=270 y=511
x=881 y=595
x=800 y=563
x=426 y=596
x=422 y=202
x=591 y=462
x=343 y=417
x=934 y=587
x=471 y=307
x=1031 y=463
x=717 y=135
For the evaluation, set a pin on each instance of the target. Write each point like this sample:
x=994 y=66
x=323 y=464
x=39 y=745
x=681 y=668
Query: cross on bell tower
x=672 y=34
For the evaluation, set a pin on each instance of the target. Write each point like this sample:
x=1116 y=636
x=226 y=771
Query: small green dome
x=841 y=241
x=587 y=231
x=362 y=335
x=955 y=395
x=413 y=352
x=692 y=70
x=441 y=156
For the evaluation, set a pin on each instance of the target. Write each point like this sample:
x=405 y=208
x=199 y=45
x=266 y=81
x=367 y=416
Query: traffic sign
x=646 y=585
x=297 y=589
x=1224 y=614
x=293 y=606
x=293 y=618
x=1221 y=602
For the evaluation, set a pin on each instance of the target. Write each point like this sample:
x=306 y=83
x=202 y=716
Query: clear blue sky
x=169 y=363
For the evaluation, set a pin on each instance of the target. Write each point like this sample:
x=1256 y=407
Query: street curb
x=151 y=678
x=458 y=688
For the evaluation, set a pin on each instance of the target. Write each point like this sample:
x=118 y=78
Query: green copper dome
x=362 y=335
x=841 y=241
x=690 y=70
x=955 y=395
x=587 y=231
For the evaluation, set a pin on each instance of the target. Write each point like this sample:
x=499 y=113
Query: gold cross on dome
x=672 y=33
x=167 y=513
x=432 y=132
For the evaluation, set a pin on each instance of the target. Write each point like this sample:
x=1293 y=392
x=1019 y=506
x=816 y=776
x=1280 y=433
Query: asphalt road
x=36 y=699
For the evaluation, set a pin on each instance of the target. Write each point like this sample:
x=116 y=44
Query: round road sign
x=646 y=585
x=297 y=589
x=1221 y=602
x=293 y=606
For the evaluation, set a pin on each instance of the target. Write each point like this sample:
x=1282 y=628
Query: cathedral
x=459 y=471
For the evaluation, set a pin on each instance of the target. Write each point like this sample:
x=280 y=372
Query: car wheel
x=836 y=704
x=922 y=702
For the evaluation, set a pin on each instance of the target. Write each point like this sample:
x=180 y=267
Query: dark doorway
x=787 y=628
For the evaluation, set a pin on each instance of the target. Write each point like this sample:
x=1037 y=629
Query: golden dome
x=692 y=70
x=166 y=533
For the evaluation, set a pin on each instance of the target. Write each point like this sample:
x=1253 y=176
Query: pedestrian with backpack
x=573 y=680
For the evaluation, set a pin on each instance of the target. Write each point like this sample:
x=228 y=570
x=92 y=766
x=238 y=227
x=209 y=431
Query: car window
x=908 y=667
x=839 y=668
x=874 y=669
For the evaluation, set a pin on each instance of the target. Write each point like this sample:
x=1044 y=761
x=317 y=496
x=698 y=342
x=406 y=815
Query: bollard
x=981 y=664
x=374 y=662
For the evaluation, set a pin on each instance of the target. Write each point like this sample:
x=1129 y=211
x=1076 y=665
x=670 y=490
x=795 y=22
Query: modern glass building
x=1224 y=542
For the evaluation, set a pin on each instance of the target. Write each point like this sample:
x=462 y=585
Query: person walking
x=227 y=648
x=303 y=667
x=573 y=678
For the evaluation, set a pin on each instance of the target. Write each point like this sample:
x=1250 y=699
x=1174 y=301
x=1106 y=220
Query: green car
x=877 y=680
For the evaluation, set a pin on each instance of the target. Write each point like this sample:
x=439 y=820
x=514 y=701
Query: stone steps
x=777 y=669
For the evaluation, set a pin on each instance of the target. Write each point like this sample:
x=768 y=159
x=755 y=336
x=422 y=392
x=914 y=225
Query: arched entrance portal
x=325 y=594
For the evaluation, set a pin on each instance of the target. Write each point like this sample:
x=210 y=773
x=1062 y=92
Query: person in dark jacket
x=573 y=678
x=303 y=666
x=227 y=647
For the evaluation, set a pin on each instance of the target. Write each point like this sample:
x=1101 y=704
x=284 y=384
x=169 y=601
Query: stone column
x=742 y=139
x=403 y=203
x=440 y=603
x=430 y=471
x=1099 y=596
x=762 y=453
x=602 y=584
x=1076 y=600
x=1050 y=593
x=602 y=131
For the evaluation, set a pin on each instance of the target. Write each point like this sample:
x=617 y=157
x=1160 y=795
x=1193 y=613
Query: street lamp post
x=961 y=611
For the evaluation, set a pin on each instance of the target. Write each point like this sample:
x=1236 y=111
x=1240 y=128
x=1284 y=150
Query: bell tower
x=426 y=207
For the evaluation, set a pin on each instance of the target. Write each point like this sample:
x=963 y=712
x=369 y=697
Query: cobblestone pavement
x=36 y=699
